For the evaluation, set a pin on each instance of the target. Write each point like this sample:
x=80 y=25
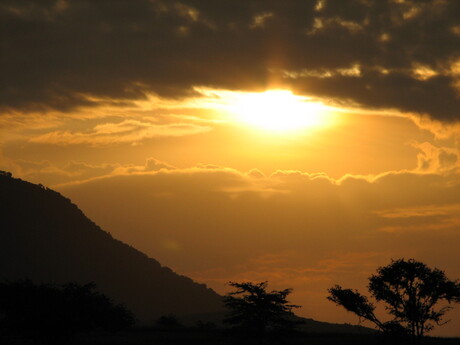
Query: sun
x=279 y=110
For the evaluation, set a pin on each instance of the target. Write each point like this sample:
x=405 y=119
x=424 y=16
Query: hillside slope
x=46 y=238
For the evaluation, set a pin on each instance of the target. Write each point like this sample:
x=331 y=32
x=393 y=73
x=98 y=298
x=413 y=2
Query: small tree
x=253 y=308
x=411 y=292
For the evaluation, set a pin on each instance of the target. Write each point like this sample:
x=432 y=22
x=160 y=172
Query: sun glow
x=280 y=110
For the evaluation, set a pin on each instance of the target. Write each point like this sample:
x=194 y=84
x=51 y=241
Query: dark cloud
x=57 y=52
x=435 y=96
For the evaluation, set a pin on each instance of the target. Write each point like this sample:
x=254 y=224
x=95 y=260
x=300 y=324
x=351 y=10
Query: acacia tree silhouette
x=254 y=309
x=411 y=292
x=50 y=314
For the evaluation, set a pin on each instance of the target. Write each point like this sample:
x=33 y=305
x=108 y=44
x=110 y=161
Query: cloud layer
x=380 y=54
x=306 y=231
x=127 y=131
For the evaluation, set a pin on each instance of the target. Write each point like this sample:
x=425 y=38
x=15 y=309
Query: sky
x=302 y=142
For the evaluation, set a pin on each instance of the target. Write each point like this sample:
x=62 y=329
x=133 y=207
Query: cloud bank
x=306 y=231
x=63 y=54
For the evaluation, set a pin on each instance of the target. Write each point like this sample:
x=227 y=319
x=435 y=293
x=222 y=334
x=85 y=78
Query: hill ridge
x=45 y=237
x=28 y=213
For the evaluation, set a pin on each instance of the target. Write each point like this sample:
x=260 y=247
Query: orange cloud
x=127 y=131
x=299 y=230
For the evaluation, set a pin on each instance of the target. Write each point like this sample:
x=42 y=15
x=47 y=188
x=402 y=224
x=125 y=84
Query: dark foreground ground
x=196 y=337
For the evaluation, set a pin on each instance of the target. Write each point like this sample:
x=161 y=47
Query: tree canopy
x=253 y=308
x=416 y=296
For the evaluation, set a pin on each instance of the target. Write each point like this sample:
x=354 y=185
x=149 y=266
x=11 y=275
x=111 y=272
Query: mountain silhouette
x=46 y=238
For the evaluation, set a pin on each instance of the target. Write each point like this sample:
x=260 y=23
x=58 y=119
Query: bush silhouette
x=205 y=325
x=52 y=314
x=411 y=292
x=168 y=322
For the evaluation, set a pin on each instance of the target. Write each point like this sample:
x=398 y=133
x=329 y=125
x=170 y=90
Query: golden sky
x=301 y=142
